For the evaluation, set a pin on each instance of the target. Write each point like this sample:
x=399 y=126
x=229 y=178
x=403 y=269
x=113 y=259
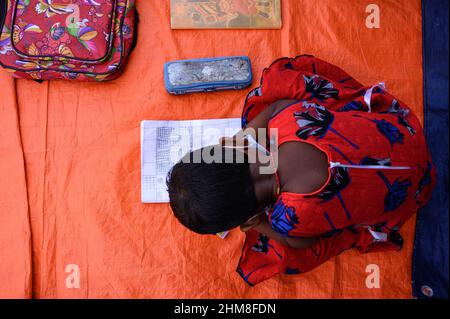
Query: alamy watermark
x=73 y=277
x=373 y=20
x=248 y=145
x=373 y=277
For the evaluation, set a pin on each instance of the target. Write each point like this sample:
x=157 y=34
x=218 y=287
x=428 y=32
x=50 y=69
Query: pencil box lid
x=182 y=76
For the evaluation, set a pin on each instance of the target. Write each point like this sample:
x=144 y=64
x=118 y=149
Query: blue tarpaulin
x=430 y=262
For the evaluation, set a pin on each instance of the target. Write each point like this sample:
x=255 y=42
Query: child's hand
x=253 y=222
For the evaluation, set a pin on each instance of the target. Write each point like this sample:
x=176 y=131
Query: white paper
x=164 y=143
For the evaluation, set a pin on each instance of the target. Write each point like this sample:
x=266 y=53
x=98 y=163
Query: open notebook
x=164 y=143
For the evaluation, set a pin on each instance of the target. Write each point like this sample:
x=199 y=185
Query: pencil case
x=207 y=75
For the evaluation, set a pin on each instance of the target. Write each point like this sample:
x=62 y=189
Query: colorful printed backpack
x=87 y=40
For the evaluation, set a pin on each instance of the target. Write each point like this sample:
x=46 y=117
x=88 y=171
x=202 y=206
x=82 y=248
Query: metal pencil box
x=207 y=75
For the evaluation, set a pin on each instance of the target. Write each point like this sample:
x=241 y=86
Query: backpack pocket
x=76 y=31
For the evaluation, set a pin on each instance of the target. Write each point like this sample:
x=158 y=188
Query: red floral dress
x=380 y=170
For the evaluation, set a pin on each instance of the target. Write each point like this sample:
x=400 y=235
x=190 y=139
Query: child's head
x=210 y=197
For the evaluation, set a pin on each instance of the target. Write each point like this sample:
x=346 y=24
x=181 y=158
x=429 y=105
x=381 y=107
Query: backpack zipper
x=337 y=164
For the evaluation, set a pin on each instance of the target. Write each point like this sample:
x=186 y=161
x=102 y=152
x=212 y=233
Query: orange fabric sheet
x=70 y=162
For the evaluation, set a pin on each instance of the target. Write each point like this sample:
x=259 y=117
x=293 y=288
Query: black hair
x=210 y=197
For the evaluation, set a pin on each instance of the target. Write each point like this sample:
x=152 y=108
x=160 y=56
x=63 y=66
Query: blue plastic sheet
x=430 y=262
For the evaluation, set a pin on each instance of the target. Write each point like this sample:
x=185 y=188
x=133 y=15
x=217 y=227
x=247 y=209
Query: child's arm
x=260 y=121
x=262 y=226
x=267 y=230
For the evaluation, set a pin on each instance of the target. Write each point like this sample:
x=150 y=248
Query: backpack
x=86 y=40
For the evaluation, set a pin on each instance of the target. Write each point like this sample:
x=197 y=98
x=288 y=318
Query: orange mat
x=70 y=162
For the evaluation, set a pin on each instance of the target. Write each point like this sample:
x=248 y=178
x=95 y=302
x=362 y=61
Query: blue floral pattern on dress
x=368 y=161
x=391 y=132
x=320 y=88
x=397 y=192
x=292 y=271
x=353 y=106
x=316 y=121
x=246 y=277
x=283 y=218
x=401 y=114
x=424 y=181
x=263 y=246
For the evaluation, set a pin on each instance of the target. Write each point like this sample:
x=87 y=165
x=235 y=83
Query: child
x=353 y=166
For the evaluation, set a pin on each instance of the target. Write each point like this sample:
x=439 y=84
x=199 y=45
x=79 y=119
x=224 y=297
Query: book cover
x=225 y=14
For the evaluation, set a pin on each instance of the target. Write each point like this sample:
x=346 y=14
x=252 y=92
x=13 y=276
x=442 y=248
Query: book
x=225 y=14
x=164 y=143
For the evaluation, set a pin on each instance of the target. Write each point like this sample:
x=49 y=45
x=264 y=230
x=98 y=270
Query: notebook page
x=164 y=143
